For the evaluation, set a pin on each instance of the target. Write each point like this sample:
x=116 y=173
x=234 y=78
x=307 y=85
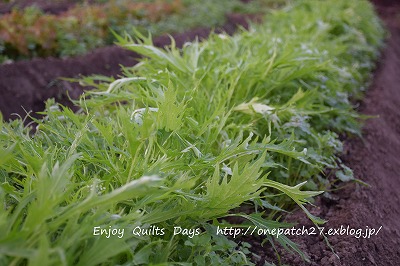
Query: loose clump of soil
x=374 y=160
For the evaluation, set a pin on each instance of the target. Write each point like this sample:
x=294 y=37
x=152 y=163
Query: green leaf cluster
x=185 y=137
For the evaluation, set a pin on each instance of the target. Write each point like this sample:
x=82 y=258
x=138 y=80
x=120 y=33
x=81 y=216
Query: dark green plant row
x=184 y=138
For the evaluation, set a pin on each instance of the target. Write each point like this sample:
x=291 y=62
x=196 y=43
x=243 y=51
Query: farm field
x=198 y=153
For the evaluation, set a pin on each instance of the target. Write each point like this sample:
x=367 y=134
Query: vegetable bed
x=186 y=137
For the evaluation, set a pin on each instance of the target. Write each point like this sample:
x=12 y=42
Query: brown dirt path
x=375 y=159
x=48 y=6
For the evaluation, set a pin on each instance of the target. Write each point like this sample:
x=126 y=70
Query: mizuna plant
x=184 y=138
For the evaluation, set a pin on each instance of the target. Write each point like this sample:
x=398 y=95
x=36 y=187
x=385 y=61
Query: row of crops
x=184 y=139
x=31 y=33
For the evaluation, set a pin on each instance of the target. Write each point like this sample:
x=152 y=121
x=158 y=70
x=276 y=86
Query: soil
x=374 y=160
x=24 y=85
